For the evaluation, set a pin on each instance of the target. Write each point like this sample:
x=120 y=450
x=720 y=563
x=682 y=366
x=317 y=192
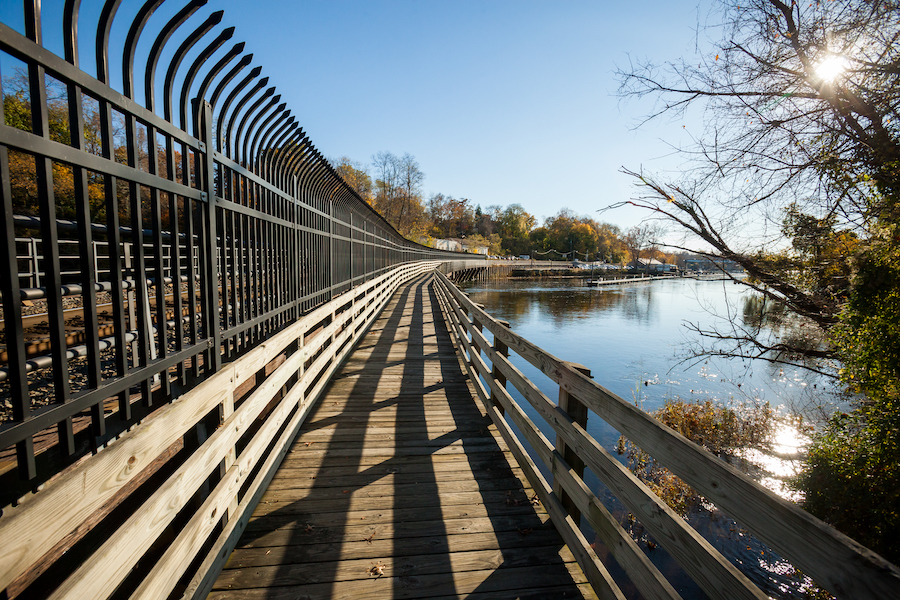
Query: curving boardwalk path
x=398 y=486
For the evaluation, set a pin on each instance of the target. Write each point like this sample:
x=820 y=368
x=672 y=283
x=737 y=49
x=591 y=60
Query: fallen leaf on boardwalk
x=370 y=538
x=268 y=552
x=525 y=531
x=309 y=528
x=535 y=500
x=346 y=492
x=377 y=571
x=308 y=444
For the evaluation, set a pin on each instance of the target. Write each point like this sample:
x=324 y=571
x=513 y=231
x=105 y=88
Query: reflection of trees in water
x=561 y=304
x=773 y=319
x=814 y=395
x=637 y=304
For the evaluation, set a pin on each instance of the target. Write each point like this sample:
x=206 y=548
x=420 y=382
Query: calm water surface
x=634 y=340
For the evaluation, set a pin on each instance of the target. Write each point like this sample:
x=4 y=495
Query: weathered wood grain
x=502 y=583
x=299 y=574
x=315 y=553
x=324 y=505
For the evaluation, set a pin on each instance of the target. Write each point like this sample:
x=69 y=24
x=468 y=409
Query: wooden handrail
x=498 y=402
x=594 y=570
x=833 y=560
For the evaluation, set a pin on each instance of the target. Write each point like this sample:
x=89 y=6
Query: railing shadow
x=525 y=540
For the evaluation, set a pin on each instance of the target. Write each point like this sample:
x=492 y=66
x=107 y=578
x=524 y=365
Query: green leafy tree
x=514 y=225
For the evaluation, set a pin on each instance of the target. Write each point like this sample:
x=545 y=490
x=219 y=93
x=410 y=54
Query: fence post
x=331 y=261
x=579 y=414
x=499 y=377
x=209 y=287
x=12 y=314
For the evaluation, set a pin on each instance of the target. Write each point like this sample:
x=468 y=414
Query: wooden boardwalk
x=399 y=486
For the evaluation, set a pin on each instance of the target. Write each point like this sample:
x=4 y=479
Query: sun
x=831 y=67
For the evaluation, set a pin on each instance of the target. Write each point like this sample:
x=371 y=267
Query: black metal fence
x=175 y=251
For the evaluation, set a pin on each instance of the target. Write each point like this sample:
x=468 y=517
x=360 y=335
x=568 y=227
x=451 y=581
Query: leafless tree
x=800 y=103
x=640 y=238
x=398 y=191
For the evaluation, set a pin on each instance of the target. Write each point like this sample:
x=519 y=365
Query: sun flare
x=831 y=67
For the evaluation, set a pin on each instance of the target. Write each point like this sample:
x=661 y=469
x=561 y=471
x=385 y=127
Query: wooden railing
x=182 y=532
x=834 y=561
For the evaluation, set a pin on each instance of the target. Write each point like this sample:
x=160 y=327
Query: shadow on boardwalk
x=398 y=486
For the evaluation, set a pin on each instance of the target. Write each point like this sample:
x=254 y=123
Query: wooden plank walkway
x=399 y=486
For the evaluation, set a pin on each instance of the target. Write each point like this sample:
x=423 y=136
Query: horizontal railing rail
x=834 y=561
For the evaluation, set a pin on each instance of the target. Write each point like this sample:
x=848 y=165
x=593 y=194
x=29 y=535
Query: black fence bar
x=258 y=227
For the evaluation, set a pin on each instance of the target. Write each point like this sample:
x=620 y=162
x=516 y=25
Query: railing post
x=579 y=413
x=499 y=377
x=331 y=261
x=477 y=325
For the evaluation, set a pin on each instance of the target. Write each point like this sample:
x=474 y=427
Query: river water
x=635 y=338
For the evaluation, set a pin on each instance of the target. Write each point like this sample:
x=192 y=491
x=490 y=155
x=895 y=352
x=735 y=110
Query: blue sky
x=500 y=102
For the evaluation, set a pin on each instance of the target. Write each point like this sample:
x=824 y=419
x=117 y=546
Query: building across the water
x=702 y=263
x=651 y=264
x=460 y=245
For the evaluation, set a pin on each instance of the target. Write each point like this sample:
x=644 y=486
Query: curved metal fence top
x=191 y=41
x=207 y=182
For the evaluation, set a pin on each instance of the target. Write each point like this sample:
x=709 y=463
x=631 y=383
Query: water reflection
x=633 y=339
x=521 y=302
x=775 y=466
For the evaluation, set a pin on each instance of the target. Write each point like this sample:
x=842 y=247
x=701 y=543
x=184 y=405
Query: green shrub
x=852 y=476
x=852 y=481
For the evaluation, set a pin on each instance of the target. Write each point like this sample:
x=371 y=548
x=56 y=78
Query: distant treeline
x=392 y=185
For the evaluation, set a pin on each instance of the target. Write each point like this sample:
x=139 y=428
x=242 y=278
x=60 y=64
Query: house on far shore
x=459 y=245
x=651 y=264
x=701 y=263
